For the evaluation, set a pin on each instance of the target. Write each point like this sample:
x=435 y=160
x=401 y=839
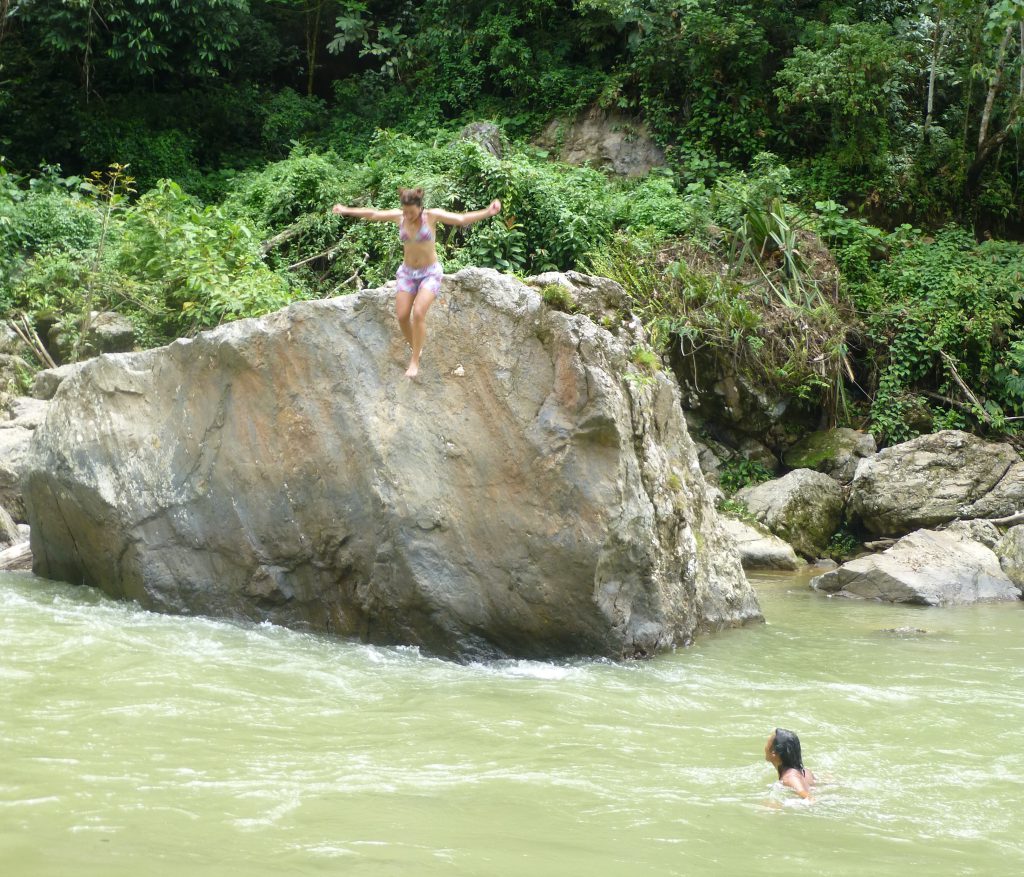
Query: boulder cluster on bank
x=944 y=510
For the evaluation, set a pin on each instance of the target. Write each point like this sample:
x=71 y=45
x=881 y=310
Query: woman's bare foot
x=412 y=370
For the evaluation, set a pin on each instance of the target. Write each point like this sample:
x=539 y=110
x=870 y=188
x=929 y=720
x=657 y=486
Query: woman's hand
x=338 y=210
x=495 y=208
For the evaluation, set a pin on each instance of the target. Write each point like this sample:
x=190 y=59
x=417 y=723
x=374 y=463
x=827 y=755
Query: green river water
x=139 y=744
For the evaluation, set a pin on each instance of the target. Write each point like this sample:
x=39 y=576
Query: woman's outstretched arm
x=370 y=214
x=465 y=219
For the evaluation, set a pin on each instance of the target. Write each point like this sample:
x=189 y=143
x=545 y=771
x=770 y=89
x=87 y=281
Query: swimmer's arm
x=370 y=214
x=464 y=219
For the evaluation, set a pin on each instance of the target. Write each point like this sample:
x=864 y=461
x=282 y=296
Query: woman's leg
x=420 y=305
x=403 y=311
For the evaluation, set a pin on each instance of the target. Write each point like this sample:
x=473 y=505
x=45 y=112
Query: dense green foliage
x=831 y=167
x=904 y=108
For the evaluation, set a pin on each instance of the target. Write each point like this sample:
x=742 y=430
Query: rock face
x=521 y=498
x=936 y=478
x=45 y=383
x=605 y=139
x=803 y=507
x=21 y=416
x=928 y=567
x=1010 y=551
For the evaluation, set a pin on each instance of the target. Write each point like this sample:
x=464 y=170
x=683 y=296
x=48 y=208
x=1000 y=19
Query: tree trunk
x=5 y=6
x=312 y=38
x=993 y=89
x=937 y=41
x=988 y=143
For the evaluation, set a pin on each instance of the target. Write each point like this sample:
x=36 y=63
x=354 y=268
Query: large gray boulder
x=803 y=507
x=928 y=567
x=934 y=479
x=520 y=498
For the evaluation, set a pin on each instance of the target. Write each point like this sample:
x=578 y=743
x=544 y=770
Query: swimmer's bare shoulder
x=801 y=783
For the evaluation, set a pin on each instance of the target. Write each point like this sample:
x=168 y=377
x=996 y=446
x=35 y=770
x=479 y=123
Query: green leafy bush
x=47 y=220
x=552 y=215
x=285 y=191
x=739 y=473
x=290 y=116
x=654 y=203
x=205 y=265
x=693 y=306
x=151 y=153
x=944 y=315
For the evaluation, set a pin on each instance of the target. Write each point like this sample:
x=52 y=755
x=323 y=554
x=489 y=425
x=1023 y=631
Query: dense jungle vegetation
x=840 y=212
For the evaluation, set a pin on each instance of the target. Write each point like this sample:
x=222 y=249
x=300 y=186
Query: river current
x=134 y=743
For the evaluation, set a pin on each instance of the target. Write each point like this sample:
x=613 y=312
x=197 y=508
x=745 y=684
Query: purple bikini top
x=423 y=234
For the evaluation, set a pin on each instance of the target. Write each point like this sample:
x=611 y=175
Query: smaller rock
x=835 y=452
x=110 y=332
x=46 y=382
x=606 y=139
x=487 y=135
x=9 y=534
x=1010 y=551
x=984 y=532
x=803 y=507
x=934 y=479
x=927 y=567
x=601 y=299
x=10 y=341
x=759 y=549
x=17 y=557
x=24 y=411
x=753 y=450
x=880 y=544
x=14 y=446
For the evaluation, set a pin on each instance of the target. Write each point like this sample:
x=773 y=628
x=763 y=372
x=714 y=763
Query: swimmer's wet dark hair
x=410 y=196
x=786 y=745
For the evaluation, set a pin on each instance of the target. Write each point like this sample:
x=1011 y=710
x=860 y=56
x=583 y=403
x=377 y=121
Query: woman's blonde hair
x=410 y=196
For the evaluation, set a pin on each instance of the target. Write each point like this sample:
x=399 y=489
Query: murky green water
x=133 y=743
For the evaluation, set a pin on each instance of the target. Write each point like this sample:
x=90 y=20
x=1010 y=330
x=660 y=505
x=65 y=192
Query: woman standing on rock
x=419 y=277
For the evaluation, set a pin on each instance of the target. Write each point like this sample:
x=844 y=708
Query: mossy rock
x=835 y=452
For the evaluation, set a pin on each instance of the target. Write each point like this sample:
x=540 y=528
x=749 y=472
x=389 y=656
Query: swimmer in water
x=782 y=751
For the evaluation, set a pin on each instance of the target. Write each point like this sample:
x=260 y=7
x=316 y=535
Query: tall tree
x=1003 y=108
